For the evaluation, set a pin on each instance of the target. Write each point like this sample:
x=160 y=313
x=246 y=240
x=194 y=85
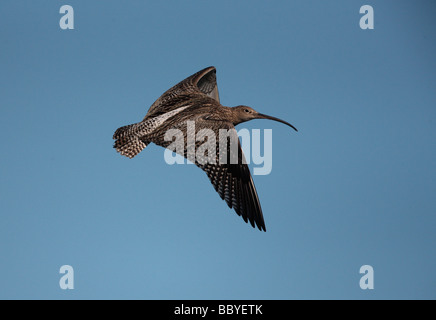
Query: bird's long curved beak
x=264 y=116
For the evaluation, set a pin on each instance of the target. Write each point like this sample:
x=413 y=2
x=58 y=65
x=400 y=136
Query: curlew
x=194 y=103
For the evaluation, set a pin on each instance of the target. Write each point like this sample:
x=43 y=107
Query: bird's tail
x=127 y=140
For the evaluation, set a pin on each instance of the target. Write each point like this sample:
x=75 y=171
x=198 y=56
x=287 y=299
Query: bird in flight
x=193 y=107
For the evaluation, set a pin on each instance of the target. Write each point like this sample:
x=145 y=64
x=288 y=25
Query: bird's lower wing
x=226 y=167
x=235 y=185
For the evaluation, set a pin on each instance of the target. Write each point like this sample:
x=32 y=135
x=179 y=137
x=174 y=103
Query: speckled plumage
x=195 y=102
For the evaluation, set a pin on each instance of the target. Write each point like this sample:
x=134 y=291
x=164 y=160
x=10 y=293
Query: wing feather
x=233 y=182
x=200 y=84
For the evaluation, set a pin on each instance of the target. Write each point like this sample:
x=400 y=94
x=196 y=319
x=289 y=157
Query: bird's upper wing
x=203 y=83
x=227 y=171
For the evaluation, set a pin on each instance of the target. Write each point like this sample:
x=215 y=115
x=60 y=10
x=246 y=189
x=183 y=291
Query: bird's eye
x=247 y=110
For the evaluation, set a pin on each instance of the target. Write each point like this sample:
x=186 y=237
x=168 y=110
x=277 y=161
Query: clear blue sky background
x=356 y=185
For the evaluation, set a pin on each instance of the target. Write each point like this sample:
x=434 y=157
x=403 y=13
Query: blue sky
x=355 y=186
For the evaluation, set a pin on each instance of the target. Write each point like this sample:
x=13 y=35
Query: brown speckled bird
x=196 y=100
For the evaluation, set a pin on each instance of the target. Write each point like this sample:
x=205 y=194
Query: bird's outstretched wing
x=234 y=184
x=203 y=83
x=226 y=167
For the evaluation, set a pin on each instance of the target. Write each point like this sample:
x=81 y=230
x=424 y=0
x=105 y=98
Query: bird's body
x=192 y=107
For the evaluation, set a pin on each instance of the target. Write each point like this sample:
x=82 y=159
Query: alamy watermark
x=67 y=20
x=66 y=282
x=367 y=20
x=205 y=147
x=367 y=280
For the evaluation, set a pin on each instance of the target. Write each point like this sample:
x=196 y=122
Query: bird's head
x=244 y=113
